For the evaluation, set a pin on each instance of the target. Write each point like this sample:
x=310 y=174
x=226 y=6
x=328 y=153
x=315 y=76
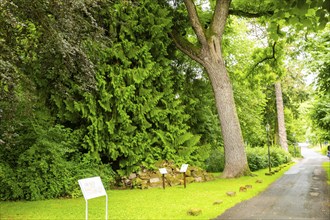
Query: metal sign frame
x=93 y=188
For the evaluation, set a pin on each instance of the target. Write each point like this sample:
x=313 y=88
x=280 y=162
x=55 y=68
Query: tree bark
x=280 y=116
x=208 y=54
x=235 y=157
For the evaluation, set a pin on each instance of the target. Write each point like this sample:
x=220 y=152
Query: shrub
x=279 y=156
x=324 y=150
x=216 y=161
x=50 y=168
x=295 y=151
x=258 y=157
x=9 y=185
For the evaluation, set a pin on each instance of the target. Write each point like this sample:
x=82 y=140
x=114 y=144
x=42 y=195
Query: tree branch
x=219 y=17
x=195 y=22
x=245 y=14
x=186 y=47
x=267 y=57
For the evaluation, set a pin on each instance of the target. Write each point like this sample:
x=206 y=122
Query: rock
x=190 y=179
x=139 y=183
x=132 y=176
x=242 y=189
x=144 y=176
x=173 y=180
x=208 y=177
x=169 y=170
x=231 y=194
x=248 y=186
x=197 y=173
x=144 y=186
x=155 y=175
x=127 y=181
x=218 y=202
x=259 y=181
x=194 y=211
x=154 y=180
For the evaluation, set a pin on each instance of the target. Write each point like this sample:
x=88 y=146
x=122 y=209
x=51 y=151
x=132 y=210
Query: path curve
x=301 y=193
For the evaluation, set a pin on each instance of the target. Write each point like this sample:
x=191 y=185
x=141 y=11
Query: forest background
x=99 y=88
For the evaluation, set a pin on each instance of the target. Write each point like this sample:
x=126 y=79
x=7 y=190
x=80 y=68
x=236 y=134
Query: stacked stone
x=146 y=179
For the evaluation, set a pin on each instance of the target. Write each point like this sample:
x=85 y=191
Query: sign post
x=183 y=170
x=92 y=188
x=163 y=171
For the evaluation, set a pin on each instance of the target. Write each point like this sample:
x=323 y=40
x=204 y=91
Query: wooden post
x=184 y=179
x=163 y=181
x=163 y=171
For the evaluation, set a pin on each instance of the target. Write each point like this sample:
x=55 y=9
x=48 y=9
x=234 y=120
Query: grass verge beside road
x=326 y=167
x=171 y=203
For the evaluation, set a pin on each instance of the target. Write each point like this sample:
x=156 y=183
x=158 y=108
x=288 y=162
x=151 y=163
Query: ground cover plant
x=157 y=203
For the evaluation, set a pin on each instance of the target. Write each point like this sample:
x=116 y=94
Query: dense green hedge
x=50 y=169
x=258 y=157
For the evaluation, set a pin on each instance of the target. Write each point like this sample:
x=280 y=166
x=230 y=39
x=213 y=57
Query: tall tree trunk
x=280 y=116
x=235 y=157
x=208 y=53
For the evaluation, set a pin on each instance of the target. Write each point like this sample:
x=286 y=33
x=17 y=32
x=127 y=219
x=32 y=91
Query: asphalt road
x=301 y=193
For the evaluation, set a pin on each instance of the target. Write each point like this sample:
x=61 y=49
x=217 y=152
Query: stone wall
x=145 y=179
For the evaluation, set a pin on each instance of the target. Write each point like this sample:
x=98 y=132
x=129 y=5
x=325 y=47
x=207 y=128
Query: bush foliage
x=50 y=168
x=257 y=158
x=216 y=161
x=295 y=151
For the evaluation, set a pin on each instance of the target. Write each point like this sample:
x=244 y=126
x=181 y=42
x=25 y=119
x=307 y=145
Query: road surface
x=302 y=193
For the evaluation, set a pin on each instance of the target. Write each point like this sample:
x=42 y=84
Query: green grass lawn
x=157 y=203
x=326 y=167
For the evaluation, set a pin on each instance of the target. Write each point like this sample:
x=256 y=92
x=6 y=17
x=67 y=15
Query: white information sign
x=184 y=168
x=93 y=188
x=163 y=170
